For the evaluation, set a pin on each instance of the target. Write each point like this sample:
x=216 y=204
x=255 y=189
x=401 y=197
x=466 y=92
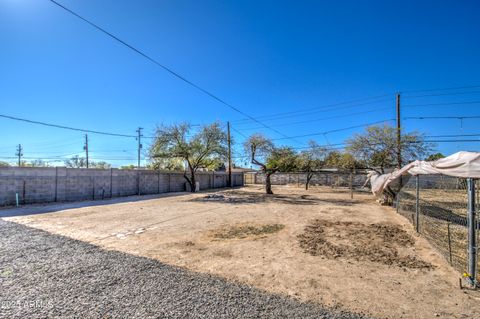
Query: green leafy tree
x=311 y=160
x=4 y=164
x=341 y=160
x=377 y=147
x=434 y=157
x=131 y=166
x=101 y=165
x=271 y=159
x=168 y=164
x=202 y=149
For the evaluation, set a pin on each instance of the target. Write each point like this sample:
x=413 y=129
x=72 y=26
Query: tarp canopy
x=461 y=164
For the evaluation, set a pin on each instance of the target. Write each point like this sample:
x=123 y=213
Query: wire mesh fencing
x=333 y=179
x=442 y=214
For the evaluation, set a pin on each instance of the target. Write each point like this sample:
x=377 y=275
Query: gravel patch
x=45 y=275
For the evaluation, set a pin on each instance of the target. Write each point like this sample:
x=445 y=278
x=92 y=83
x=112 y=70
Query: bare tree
x=203 y=149
x=37 y=163
x=81 y=162
x=76 y=162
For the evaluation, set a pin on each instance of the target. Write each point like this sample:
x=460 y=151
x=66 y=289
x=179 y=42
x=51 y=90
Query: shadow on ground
x=35 y=209
x=249 y=197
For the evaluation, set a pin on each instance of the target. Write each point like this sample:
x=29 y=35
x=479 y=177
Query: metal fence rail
x=437 y=206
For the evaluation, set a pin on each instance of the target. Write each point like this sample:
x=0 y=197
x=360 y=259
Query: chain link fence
x=333 y=179
x=442 y=214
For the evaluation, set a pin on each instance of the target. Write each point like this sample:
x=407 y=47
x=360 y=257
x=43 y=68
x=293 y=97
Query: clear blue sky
x=264 y=57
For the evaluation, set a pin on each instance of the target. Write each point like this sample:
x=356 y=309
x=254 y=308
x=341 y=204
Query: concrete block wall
x=59 y=184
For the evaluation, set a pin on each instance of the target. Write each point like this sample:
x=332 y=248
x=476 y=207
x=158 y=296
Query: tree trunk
x=268 y=183
x=192 y=181
x=309 y=177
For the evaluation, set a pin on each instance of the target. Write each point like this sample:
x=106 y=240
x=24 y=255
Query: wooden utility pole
x=229 y=156
x=85 y=147
x=399 y=134
x=139 y=136
x=19 y=154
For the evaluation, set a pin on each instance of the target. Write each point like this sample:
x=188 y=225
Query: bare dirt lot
x=317 y=245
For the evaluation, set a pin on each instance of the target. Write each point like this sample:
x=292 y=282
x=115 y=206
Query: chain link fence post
x=417 y=203
x=472 y=238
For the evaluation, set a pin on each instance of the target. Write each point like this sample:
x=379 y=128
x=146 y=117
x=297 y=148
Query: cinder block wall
x=59 y=184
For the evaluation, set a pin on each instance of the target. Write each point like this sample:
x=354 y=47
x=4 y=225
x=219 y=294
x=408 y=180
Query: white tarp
x=461 y=164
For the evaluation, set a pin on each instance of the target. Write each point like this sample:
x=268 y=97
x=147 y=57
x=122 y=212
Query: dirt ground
x=317 y=245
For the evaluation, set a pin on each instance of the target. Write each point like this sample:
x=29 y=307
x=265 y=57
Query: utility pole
x=85 y=147
x=229 y=156
x=139 y=136
x=399 y=134
x=19 y=154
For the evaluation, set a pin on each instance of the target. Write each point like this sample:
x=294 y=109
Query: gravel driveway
x=45 y=275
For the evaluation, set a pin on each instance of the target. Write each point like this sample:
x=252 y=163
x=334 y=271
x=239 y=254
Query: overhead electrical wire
x=64 y=127
x=446 y=141
x=440 y=117
x=323 y=118
x=340 y=129
x=442 y=104
x=443 y=89
x=314 y=110
x=168 y=69
x=452 y=135
x=440 y=94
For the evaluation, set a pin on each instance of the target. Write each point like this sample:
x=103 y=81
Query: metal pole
x=85 y=147
x=449 y=243
x=56 y=184
x=417 y=204
x=139 y=137
x=229 y=157
x=399 y=136
x=351 y=185
x=111 y=182
x=472 y=228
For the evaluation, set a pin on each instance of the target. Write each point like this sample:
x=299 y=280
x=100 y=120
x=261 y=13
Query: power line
x=328 y=107
x=441 y=94
x=339 y=130
x=63 y=127
x=66 y=158
x=443 y=89
x=309 y=111
x=169 y=70
x=440 y=117
x=453 y=135
x=446 y=141
x=241 y=134
x=324 y=118
x=442 y=104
